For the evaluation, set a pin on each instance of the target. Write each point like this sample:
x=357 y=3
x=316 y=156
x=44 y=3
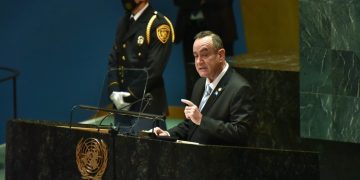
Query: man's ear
x=221 y=53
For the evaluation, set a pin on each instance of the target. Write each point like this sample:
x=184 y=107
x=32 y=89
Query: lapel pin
x=218 y=90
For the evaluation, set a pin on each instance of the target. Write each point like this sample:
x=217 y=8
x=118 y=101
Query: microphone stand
x=76 y=107
x=112 y=129
x=148 y=100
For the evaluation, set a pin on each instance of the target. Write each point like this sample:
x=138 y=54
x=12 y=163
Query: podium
x=44 y=150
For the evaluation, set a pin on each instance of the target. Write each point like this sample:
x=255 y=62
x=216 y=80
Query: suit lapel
x=198 y=92
x=217 y=91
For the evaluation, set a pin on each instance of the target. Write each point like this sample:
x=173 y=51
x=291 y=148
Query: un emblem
x=91 y=158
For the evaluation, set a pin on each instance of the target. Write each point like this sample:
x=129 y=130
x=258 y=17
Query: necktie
x=205 y=97
x=130 y=22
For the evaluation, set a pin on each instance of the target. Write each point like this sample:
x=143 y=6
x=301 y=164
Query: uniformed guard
x=143 y=41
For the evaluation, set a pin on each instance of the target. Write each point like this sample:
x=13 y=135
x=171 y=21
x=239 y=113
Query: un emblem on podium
x=91 y=158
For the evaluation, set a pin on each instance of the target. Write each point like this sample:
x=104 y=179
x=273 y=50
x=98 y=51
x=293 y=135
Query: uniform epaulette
x=163 y=31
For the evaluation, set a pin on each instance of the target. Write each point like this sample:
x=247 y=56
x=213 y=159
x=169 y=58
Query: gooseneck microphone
x=148 y=99
x=149 y=96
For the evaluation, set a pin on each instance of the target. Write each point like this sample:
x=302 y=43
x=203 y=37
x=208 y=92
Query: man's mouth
x=202 y=68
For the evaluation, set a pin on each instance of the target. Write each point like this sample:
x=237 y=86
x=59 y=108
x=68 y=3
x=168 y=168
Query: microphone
x=149 y=97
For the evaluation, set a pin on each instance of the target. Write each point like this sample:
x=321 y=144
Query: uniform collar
x=138 y=14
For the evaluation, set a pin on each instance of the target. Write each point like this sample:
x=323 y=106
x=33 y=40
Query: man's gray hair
x=216 y=40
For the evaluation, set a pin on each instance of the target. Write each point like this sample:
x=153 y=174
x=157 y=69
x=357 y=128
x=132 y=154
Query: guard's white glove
x=118 y=99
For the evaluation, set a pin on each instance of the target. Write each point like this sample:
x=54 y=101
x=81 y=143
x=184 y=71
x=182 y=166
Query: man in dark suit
x=221 y=108
x=143 y=41
x=198 y=15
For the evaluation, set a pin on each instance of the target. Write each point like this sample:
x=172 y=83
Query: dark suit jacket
x=228 y=114
x=133 y=50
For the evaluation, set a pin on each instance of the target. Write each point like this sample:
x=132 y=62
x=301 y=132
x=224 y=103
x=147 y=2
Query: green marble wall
x=330 y=70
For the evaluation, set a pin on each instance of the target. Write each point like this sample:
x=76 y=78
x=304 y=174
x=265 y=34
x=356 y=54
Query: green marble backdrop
x=330 y=70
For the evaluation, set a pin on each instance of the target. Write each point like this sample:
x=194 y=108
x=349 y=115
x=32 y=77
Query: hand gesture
x=192 y=112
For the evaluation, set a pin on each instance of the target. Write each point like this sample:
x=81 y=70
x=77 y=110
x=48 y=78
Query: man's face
x=208 y=61
x=129 y=5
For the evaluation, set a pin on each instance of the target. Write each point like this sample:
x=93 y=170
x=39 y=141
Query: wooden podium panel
x=43 y=150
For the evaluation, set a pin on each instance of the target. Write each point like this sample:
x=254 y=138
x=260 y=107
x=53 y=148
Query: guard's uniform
x=146 y=43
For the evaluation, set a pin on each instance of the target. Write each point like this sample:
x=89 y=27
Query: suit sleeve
x=235 y=129
x=181 y=131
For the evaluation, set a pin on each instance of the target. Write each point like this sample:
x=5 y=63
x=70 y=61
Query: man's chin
x=203 y=75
